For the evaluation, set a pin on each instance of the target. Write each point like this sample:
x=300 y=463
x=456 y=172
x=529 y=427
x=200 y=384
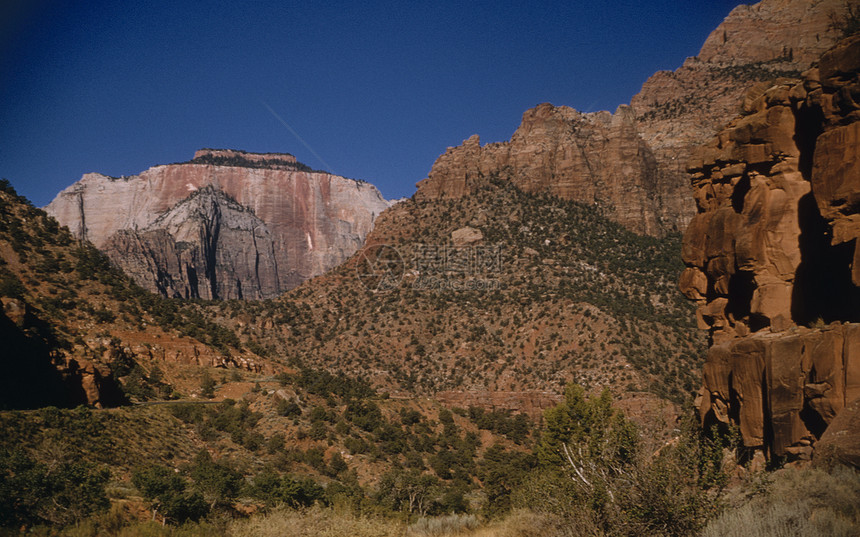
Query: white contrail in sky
x=299 y=138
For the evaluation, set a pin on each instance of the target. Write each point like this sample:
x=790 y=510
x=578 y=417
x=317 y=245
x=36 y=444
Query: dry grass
x=805 y=503
x=443 y=526
x=320 y=522
x=524 y=523
x=315 y=522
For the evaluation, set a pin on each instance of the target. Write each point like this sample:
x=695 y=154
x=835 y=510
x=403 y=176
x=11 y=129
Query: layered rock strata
x=772 y=258
x=228 y=224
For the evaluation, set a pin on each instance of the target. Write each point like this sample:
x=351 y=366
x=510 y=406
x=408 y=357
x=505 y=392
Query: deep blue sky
x=377 y=90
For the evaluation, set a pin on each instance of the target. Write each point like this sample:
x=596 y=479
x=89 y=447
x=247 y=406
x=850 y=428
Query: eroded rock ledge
x=773 y=260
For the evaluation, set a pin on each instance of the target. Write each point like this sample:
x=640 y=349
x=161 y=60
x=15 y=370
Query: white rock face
x=266 y=226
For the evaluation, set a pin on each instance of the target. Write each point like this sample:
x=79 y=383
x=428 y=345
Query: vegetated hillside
x=269 y=439
x=75 y=330
x=311 y=428
x=316 y=438
x=571 y=296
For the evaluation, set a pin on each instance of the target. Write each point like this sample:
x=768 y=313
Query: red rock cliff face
x=632 y=162
x=228 y=224
x=677 y=111
x=594 y=158
x=772 y=258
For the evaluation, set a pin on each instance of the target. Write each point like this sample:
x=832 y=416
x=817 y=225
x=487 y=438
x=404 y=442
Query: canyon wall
x=594 y=158
x=228 y=224
x=772 y=258
x=632 y=162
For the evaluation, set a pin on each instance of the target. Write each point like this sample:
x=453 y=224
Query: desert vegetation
x=587 y=470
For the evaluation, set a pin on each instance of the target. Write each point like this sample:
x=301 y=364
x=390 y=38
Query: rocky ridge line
x=632 y=162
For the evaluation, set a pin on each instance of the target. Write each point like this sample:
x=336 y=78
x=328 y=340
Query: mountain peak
x=304 y=222
x=210 y=154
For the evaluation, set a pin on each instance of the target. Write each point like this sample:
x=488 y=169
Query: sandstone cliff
x=631 y=162
x=207 y=245
x=772 y=257
x=594 y=158
x=227 y=224
x=678 y=111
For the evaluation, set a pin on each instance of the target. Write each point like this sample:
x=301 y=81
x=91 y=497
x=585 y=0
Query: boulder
x=841 y=441
x=466 y=236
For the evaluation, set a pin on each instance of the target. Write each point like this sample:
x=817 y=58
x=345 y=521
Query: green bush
x=218 y=483
x=592 y=473
x=10 y=285
x=284 y=490
x=166 y=491
x=60 y=494
x=207 y=385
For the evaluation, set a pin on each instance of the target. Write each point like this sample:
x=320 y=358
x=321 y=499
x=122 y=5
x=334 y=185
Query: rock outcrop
x=677 y=111
x=228 y=224
x=207 y=245
x=772 y=258
x=841 y=441
x=593 y=158
x=632 y=162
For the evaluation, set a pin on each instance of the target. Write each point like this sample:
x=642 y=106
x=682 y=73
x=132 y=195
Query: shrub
x=808 y=502
x=207 y=386
x=59 y=494
x=218 y=483
x=10 y=285
x=591 y=473
x=288 y=409
x=165 y=490
x=276 y=490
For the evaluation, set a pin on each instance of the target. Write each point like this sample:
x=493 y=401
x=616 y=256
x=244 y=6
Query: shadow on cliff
x=822 y=283
x=29 y=379
x=31 y=375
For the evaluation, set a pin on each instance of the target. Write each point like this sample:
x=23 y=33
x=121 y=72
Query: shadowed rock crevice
x=810 y=121
x=813 y=420
x=739 y=193
x=823 y=290
x=741 y=289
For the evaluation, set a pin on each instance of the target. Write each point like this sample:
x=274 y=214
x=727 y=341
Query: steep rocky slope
x=74 y=330
x=227 y=224
x=497 y=291
x=773 y=258
x=631 y=162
